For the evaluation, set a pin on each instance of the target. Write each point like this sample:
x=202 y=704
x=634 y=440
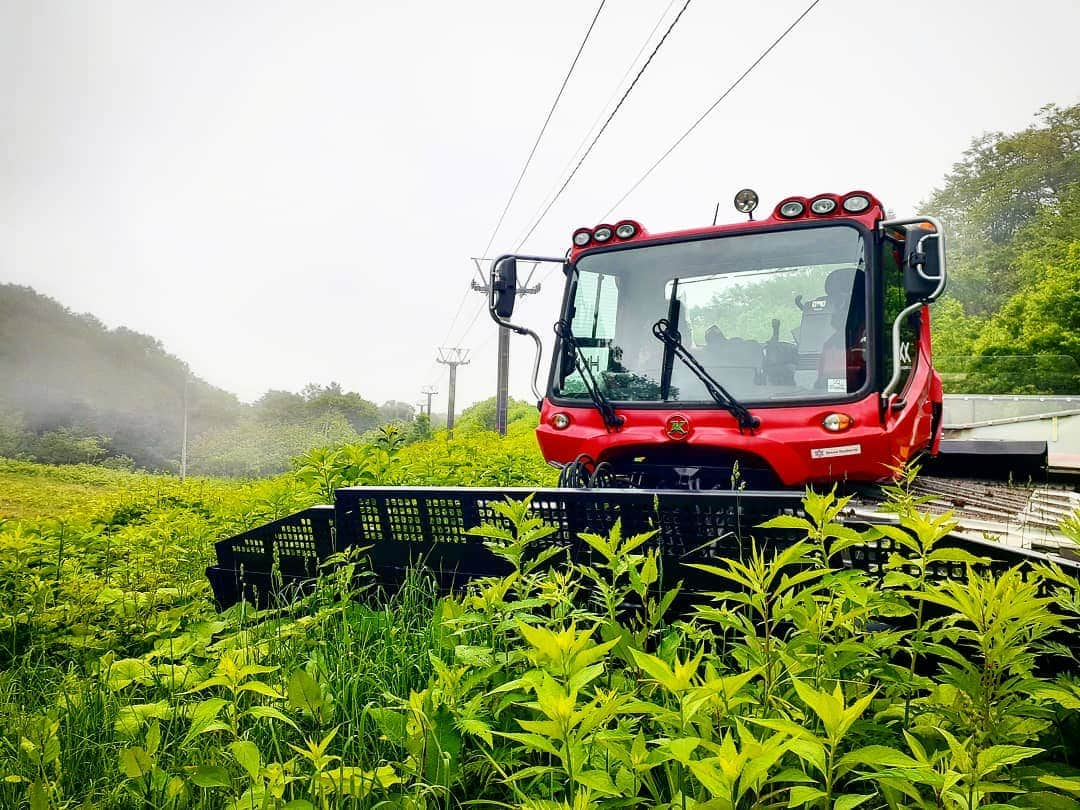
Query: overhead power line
x=476 y=316
x=543 y=129
x=517 y=185
x=712 y=107
x=601 y=115
x=457 y=312
x=618 y=106
x=453 y=322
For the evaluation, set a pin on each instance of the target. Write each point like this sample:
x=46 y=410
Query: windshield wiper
x=611 y=419
x=673 y=342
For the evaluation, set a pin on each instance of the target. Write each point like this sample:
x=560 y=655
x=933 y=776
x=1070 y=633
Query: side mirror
x=924 y=271
x=504 y=287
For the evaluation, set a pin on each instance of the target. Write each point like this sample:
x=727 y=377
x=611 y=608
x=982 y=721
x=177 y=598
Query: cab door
x=894 y=298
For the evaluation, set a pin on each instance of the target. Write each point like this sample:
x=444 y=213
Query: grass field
x=798 y=684
x=37 y=490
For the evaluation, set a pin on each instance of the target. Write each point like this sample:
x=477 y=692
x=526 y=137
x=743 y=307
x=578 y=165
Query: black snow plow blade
x=273 y=562
x=996 y=459
x=407 y=527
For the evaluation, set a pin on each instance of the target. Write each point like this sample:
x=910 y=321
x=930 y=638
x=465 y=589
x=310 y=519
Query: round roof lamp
x=746 y=201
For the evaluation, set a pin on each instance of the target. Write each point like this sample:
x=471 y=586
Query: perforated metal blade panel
x=404 y=527
x=260 y=562
x=430 y=526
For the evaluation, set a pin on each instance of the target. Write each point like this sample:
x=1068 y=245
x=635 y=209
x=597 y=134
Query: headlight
x=791 y=209
x=602 y=233
x=625 y=230
x=560 y=421
x=746 y=201
x=582 y=237
x=856 y=203
x=823 y=205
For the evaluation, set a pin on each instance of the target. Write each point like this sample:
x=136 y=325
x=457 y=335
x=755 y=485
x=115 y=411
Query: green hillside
x=64 y=370
x=75 y=391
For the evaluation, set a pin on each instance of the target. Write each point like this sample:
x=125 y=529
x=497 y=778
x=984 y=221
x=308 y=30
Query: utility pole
x=453 y=358
x=502 y=382
x=429 y=391
x=183 y=444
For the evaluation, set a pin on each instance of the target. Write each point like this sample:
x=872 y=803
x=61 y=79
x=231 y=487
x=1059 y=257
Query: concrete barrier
x=1052 y=419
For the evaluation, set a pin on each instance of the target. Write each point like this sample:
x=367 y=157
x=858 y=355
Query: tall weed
x=796 y=681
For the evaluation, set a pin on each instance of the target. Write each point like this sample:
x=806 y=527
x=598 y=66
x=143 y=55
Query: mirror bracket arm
x=920 y=263
x=517 y=328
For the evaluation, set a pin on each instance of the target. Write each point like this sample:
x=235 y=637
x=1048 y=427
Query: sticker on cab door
x=833 y=452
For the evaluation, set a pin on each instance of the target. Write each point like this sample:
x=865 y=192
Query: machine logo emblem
x=678 y=427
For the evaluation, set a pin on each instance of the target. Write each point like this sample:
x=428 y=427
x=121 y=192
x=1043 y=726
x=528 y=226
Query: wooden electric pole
x=429 y=391
x=453 y=358
x=502 y=381
x=183 y=443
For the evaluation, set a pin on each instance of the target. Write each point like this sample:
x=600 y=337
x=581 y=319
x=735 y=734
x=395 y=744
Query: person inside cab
x=842 y=364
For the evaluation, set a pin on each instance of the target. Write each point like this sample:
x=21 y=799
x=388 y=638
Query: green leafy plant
x=798 y=680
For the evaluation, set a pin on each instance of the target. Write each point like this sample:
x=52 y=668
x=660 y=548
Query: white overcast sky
x=290 y=192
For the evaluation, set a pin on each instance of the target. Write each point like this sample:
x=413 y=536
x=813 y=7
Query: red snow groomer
x=781 y=352
x=700 y=380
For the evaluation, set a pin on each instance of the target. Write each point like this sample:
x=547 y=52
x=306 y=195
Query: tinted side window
x=596 y=299
x=895 y=299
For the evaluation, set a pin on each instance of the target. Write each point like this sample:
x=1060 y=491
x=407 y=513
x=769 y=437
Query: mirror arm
x=896 y=371
x=513 y=327
x=939 y=232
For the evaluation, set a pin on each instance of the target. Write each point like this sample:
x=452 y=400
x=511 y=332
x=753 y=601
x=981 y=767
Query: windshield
x=770 y=316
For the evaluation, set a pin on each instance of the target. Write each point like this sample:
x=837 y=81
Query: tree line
x=1010 y=322
x=75 y=391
